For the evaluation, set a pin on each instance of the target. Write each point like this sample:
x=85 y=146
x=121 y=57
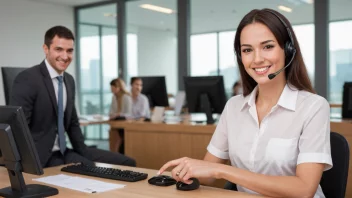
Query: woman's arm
x=211 y=158
x=304 y=184
x=113 y=108
x=185 y=165
x=127 y=106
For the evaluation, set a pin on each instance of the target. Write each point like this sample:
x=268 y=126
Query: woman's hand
x=186 y=168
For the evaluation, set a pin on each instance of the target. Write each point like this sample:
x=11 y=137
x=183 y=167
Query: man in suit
x=47 y=95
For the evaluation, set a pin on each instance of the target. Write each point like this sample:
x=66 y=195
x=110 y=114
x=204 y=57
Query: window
x=98 y=64
x=340 y=58
x=152 y=43
x=204 y=55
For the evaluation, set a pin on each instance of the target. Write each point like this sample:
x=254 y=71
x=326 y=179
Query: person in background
x=46 y=92
x=121 y=108
x=237 y=88
x=121 y=103
x=140 y=107
x=277 y=134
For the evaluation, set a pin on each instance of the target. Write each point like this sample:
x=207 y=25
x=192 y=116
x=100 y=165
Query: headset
x=289 y=47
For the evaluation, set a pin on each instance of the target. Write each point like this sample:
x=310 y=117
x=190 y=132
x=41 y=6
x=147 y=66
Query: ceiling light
x=308 y=1
x=157 y=8
x=299 y=2
x=284 y=8
x=110 y=15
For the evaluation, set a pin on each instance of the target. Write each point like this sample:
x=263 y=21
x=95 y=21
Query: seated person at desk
x=47 y=95
x=237 y=88
x=140 y=103
x=121 y=108
x=277 y=134
x=121 y=103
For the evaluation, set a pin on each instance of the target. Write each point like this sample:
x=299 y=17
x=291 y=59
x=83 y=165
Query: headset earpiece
x=289 y=47
x=289 y=51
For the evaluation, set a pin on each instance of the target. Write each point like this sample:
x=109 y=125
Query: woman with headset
x=277 y=134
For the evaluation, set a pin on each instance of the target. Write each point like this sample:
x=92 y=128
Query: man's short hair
x=60 y=31
x=133 y=79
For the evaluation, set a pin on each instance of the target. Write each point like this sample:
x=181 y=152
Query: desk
x=91 y=120
x=153 y=144
x=133 y=189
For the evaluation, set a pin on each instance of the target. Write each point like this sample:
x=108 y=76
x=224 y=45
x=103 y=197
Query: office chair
x=333 y=181
x=8 y=76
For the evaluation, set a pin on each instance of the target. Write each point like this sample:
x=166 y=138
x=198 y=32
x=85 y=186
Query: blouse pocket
x=280 y=149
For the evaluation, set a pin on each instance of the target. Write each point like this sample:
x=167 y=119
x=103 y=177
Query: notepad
x=79 y=183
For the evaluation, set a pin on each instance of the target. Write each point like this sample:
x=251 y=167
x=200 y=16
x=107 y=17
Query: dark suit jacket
x=33 y=89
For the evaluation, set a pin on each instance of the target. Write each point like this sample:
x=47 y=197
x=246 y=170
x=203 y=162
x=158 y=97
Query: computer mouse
x=185 y=187
x=162 y=180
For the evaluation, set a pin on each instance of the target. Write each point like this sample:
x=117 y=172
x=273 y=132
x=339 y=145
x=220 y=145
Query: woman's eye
x=268 y=46
x=246 y=50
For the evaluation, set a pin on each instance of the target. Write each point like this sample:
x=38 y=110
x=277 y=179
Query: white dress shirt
x=140 y=107
x=53 y=74
x=296 y=131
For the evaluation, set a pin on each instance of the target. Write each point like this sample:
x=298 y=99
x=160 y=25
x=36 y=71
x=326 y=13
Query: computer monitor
x=347 y=100
x=154 y=87
x=205 y=94
x=19 y=154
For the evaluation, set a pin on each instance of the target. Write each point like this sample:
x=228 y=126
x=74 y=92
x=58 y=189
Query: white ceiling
x=206 y=15
x=68 y=2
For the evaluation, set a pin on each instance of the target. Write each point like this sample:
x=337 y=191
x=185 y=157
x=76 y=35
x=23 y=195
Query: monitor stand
x=20 y=189
x=206 y=108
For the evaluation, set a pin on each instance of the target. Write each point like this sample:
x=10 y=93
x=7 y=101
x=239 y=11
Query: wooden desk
x=132 y=189
x=153 y=144
x=91 y=120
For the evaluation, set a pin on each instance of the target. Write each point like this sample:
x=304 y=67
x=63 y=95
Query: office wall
x=23 y=24
x=157 y=55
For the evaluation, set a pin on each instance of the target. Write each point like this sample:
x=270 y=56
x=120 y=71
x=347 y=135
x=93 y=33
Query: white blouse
x=297 y=130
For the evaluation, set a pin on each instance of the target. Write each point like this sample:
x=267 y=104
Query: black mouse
x=183 y=186
x=162 y=180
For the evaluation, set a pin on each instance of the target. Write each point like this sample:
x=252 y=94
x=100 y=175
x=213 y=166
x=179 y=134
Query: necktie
x=60 y=116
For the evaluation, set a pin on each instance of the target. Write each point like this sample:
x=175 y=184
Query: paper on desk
x=79 y=183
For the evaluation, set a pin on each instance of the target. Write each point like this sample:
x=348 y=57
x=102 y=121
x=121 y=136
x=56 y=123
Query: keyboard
x=108 y=173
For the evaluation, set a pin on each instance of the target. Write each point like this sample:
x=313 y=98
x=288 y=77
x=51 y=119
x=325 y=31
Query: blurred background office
x=171 y=38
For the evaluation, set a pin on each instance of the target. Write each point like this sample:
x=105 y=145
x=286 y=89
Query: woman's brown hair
x=118 y=82
x=296 y=74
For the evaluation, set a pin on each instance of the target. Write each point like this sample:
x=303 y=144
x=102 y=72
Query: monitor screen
x=154 y=87
x=347 y=100
x=212 y=87
x=19 y=154
x=15 y=118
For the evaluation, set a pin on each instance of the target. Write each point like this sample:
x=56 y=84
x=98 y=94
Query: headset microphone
x=273 y=75
x=289 y=48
